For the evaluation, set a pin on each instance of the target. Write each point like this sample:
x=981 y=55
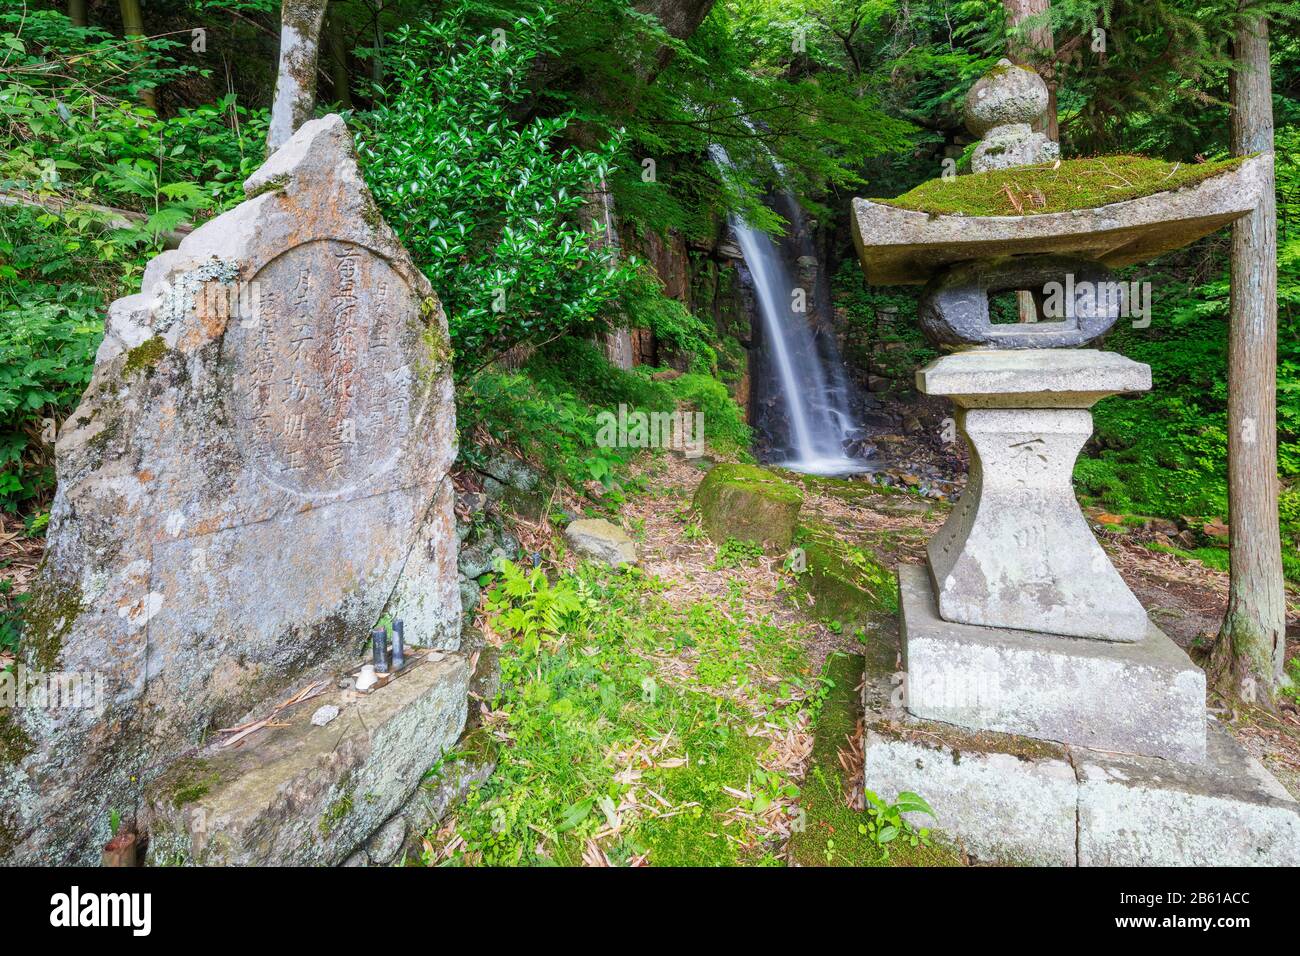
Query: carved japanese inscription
x=324 y=405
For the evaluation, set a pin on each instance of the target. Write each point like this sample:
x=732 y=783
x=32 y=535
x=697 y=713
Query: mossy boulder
x=750 y=504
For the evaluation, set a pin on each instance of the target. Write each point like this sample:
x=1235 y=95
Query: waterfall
x=811 y=386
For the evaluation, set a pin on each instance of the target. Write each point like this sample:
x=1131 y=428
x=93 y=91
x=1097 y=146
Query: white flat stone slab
x=999 y=806
x=1145 y=697
x=1012 y=799
x=906 y=247
x=1229 y=812
x=1018 y=378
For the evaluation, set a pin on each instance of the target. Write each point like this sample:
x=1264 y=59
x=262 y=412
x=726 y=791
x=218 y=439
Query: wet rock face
x=1078 y=301
x=255 y=475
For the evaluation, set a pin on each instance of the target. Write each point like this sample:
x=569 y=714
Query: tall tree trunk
x=1247 y=662
x=77 y=13
x=133 y=26
x=1036 y=48
x=377 y=64
x=598 y=216
x=338 y=58
x=680 y=19
x=295 y=85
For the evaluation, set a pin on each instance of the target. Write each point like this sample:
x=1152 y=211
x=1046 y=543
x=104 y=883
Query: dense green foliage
x=485 y=125
x=71 y=136
x=487 y=205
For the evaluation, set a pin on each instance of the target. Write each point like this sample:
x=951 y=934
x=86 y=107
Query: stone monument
x=256 y=474
x=1041 y=713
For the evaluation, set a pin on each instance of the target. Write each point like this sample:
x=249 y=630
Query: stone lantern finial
x=1000 y=108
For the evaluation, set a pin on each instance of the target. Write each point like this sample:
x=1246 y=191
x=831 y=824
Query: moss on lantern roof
x=1056 y=187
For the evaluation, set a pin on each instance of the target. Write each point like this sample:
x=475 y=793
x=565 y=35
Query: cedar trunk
x=295 y=84
x=133 y=30
x=1036 y=48
x=1247 y=662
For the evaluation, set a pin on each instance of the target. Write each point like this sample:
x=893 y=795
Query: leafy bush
x=724 y=420
x=548 y=423
x=486 y=204
x=674 y=326
x=580 y=365
x=74 y=136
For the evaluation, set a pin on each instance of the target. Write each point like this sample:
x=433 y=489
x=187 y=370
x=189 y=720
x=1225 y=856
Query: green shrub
x=549 y=424
x=486 y=204
x=73 y=136
x=724 y=421
x=579 y=365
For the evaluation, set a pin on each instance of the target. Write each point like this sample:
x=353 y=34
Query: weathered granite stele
x=256 y=473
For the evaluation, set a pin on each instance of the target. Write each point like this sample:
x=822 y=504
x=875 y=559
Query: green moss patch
x=833 y=834
x=194 y=780
x=847 y=584
x=1048 y=187
x=15 y=744
x=48 y=616
x=145 y=355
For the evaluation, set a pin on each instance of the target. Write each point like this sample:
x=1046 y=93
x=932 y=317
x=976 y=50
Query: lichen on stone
x=272 y=184
x=48 y=616
x=176 y=298
x=15 y=743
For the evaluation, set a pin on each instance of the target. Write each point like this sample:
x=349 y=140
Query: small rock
x=324 y=714
x=469 y=595
x=1162 y=526
x=385 y=843
x=1216 y=530
x=601 y=540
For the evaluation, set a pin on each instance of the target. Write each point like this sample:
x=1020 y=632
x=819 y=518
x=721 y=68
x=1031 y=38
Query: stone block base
x=1013 y=799
x=308 y=795
x=1144 y=698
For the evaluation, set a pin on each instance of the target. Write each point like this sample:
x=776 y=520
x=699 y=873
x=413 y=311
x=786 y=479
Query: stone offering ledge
x=906 y=247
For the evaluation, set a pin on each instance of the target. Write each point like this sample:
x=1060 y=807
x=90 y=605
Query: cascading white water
x=816 y=403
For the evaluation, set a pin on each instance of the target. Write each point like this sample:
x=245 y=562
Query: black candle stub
x=379 y=642
x=399 y=646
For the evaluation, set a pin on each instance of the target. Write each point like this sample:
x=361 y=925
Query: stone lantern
x=1040 y=711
